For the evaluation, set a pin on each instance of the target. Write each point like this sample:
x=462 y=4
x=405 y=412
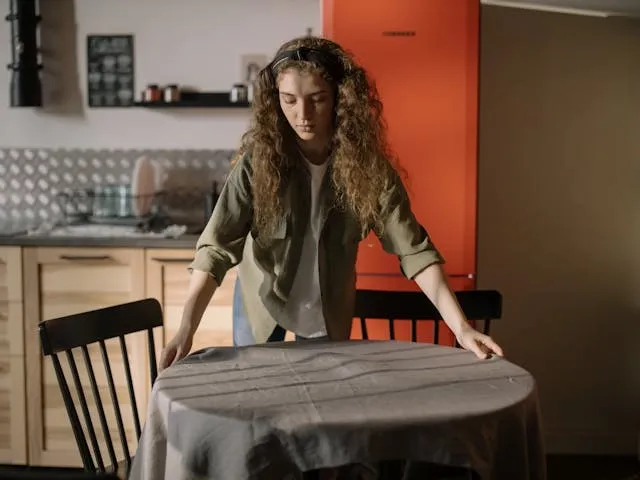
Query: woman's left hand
x=480 y=344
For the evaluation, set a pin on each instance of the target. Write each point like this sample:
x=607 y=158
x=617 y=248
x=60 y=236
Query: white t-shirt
x=305 y=303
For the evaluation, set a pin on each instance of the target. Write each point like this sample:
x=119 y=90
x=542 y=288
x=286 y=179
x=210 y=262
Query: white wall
x=193 y=42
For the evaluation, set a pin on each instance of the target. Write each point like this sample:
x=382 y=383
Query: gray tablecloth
x=273 y=411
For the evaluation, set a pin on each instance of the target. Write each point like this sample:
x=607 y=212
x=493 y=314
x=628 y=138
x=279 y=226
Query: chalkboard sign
x=110 y=70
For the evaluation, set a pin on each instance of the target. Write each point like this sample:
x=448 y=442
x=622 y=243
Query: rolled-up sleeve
x=402 y=235
x=221 y=244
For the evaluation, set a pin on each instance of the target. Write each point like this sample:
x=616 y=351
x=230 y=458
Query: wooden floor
x=560 y=467
x=579 y=467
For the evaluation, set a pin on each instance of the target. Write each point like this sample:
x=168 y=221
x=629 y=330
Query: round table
x=276 y=410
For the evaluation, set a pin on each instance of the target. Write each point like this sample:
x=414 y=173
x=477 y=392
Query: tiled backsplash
x=30 y=179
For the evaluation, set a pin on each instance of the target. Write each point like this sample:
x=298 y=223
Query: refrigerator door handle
x=470 y=276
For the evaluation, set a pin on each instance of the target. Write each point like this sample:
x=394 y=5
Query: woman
x=313 y=176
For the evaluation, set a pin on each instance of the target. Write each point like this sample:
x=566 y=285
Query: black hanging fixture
x=26 y=87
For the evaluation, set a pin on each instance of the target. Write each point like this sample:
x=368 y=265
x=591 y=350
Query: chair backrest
x=477 y=305
x=93 y=329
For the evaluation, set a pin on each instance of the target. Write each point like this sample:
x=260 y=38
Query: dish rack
x=110 y=205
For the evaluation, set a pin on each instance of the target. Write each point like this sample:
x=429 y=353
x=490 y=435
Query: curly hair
x=363 y=164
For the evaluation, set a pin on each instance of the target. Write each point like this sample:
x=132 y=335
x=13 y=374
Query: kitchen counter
x=93 y=235
x=184 y=241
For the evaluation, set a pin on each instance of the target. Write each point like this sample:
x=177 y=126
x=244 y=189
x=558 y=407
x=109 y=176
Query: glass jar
x=103 y=201
x=151 y=93
x=122 y=201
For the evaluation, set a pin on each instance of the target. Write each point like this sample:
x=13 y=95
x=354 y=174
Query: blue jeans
x=242 y=334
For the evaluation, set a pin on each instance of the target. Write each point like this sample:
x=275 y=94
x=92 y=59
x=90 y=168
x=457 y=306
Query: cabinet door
x=13 y=419
x=64 y=281
x=423 y=56
x=168 y=282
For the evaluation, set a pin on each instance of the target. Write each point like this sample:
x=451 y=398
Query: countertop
x=182 y=242
x=15 y=234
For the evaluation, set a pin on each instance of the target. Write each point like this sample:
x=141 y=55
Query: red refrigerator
x=423 y=56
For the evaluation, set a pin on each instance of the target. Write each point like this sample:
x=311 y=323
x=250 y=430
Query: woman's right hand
x=177 y=348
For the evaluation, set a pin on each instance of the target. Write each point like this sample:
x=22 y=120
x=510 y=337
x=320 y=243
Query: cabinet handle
x=170 y=260
x=85 y=257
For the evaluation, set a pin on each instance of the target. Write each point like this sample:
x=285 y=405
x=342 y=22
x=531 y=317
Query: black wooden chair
x=478 y=306
x=88 y=329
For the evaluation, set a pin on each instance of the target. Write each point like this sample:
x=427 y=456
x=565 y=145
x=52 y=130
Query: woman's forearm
x=433 y=282
x=201 y=288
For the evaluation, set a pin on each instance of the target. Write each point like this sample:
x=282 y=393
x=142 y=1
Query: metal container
x=171 y=93
x=238 y=93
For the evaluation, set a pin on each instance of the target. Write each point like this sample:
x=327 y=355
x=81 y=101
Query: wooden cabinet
x=40 y=283
x=168 y=281
x=63 y=281
x=13 y=420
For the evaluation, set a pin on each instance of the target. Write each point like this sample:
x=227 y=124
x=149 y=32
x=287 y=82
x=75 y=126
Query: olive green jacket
x=267 y=268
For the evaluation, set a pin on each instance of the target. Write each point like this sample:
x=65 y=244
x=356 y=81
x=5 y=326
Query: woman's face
x=307 y=101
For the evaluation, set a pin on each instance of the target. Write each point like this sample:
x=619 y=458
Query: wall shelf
x=197 y=100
